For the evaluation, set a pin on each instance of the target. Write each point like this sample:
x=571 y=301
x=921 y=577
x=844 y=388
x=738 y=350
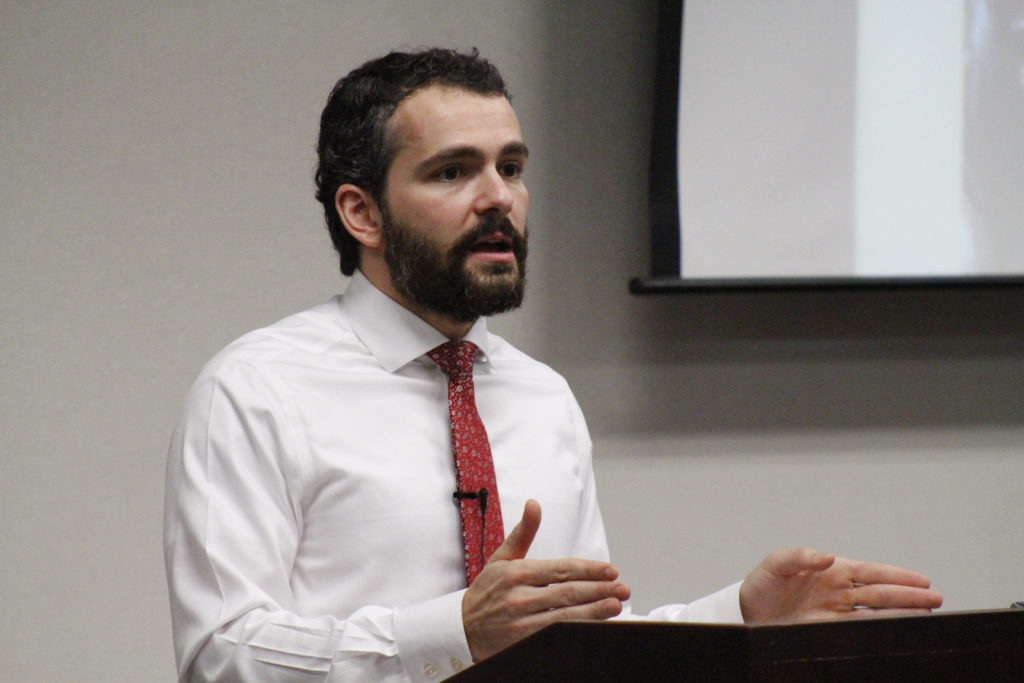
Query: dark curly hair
x=355 y=146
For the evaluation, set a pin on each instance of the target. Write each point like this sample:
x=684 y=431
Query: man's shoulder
x=310 y=334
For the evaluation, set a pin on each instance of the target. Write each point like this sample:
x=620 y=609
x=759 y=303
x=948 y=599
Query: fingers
x=545 y=572
x=592 y=611
x=795 y=560
x=512 y=598
x=580 y=601
x=517 y=543
x=875 y=572
x=575 y=593
x=869 y=612
x=801 y=584
x=889 y=597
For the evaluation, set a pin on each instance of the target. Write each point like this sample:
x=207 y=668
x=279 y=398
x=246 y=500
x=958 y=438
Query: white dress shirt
x=310 y=531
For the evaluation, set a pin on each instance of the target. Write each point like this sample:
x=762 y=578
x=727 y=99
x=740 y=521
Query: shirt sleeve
x=232 y=527
x=721 y=607
x=590 y=540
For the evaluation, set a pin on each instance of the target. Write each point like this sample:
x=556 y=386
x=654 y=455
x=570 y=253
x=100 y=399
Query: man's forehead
x=439 y=116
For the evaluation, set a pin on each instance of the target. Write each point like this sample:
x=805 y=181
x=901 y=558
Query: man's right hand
x=514 y=597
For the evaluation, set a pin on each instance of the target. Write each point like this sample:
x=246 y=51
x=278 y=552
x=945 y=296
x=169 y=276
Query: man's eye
x=511 y=169
x=450 y=173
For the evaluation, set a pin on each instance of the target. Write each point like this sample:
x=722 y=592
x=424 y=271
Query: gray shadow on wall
x=725 y=362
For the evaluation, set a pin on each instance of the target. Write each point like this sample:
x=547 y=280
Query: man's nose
x=494 y=193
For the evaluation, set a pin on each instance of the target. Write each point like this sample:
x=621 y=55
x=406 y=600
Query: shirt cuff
x=721 y=607
x=431 y=638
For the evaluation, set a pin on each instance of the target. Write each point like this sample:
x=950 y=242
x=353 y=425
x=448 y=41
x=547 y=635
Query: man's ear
x=359 y=214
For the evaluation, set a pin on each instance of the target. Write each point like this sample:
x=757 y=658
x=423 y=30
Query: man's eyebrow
x=468 y=152
x=517 y=149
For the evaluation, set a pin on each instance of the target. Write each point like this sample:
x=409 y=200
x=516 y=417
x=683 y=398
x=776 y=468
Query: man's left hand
x=802 y=584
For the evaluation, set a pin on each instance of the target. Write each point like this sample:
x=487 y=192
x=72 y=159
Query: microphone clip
x=480 y=495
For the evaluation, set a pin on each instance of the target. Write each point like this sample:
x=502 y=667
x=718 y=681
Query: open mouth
x=496 y=243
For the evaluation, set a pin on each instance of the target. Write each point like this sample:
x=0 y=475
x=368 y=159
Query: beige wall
x=156 y=202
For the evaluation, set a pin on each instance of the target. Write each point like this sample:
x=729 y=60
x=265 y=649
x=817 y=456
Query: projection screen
x=838 y=142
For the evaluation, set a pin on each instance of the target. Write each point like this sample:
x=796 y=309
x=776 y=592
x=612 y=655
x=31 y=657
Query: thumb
x=794 y=561
x=517 y=543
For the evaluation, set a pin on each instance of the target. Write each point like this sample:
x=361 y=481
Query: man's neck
x=453 y=329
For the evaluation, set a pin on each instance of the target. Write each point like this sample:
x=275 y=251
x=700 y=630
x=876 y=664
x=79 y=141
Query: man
x=314 y=512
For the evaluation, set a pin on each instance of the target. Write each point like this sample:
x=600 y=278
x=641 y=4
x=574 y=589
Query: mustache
x=487 y=226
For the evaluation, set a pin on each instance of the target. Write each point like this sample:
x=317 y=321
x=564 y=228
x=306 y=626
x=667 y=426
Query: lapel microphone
x=480 y=495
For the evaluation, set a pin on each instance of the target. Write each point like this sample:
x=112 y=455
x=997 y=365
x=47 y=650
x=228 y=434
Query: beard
x=438 y=280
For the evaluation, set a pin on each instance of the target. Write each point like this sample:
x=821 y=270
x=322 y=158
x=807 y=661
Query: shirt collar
x=394 y=334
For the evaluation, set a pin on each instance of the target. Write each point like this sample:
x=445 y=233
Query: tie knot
x=455 y=358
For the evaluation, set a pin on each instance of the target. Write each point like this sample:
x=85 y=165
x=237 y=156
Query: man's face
x=454 y=204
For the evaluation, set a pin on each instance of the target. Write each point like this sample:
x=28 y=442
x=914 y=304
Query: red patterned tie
x=477 y=492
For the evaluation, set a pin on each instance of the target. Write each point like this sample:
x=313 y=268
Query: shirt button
x=457 y=664
x=429 y=670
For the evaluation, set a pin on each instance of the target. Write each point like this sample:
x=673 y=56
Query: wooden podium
x=955 y=646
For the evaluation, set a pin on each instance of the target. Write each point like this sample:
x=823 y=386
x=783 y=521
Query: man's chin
x=495 y=281
x=498 y=284
x=480 y=269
